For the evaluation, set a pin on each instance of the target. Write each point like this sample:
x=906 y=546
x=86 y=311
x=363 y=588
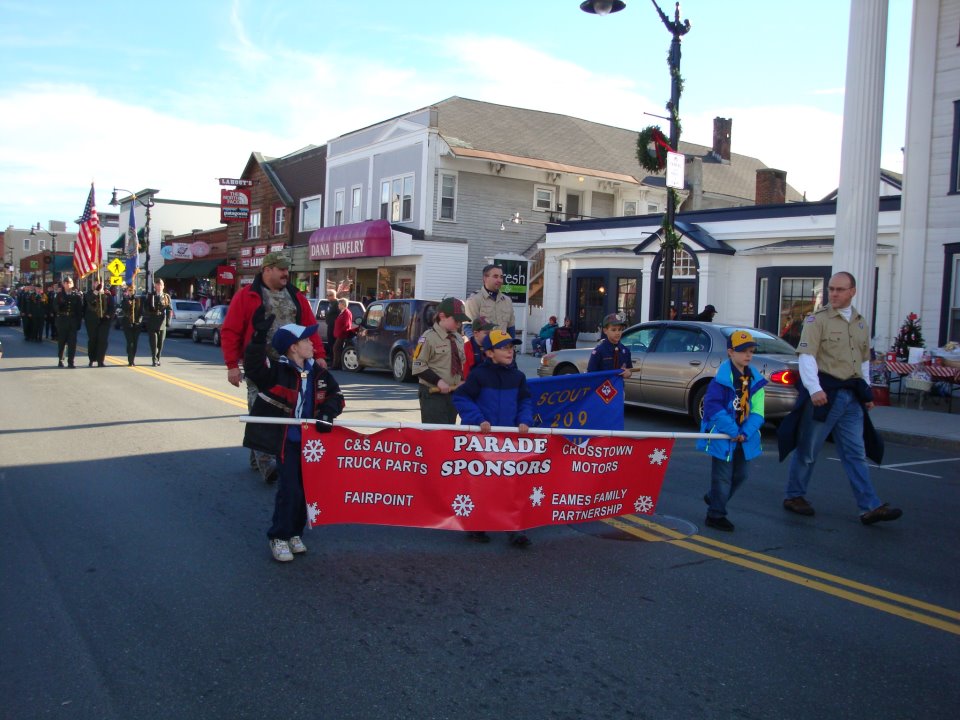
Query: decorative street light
x=53 y=269
x=671 y=241
x=148 y=203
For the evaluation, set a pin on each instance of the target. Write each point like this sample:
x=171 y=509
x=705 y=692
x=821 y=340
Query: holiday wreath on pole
x=656 y=160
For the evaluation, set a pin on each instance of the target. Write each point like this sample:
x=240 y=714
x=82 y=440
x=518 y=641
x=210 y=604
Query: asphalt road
x=136 y=581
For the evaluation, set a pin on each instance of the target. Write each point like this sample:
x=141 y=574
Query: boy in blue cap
x=610 y=353
x=496 y=393
x=732 y=405
x=294 y=386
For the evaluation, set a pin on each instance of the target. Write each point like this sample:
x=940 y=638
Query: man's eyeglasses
x=837 y=289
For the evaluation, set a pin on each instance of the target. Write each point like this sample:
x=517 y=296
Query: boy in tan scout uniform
x=438 y=363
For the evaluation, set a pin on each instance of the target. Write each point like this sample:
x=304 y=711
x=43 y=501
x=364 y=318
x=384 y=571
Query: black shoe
x=91 y=364
x=155 y=363
x=720 y=523
x=272 y=477
x=881 y=514
x=72 y=366
x=99 y=364
x=798 y=505
x=519 y=540
x=60 y=364
x=478 y=537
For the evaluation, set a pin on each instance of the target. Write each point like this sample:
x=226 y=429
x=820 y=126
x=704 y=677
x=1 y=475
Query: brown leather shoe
x=798 y=505
x=882 y=513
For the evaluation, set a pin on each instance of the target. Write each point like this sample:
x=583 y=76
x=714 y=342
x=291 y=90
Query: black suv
x=388 y=335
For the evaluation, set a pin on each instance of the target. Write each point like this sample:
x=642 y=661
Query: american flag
x=88 y=253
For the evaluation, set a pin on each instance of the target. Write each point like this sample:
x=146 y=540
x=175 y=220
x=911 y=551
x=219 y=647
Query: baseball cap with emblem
x=498 y=339
x=287 y=335
x=741 y=340
x=452 y=307
x=277 y=260
x=614 y=319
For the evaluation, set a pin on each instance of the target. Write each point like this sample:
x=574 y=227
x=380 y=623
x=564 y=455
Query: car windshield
x=766 y=344
x=6 y=300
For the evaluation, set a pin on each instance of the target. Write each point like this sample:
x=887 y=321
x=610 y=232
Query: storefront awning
x=188 y=269
x=364 y=239
x=167 y=270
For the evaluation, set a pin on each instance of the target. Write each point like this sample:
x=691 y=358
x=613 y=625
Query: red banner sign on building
x=226 y=275
x=456 y=480
x=235 y=205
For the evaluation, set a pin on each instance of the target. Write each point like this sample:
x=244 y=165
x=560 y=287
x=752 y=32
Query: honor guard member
x=98 y=312
x=492 y=304
x=131 y=320
x=69 y=309
x=438 y=363
x=156 y=312
x=50 y=315
x=610 y=353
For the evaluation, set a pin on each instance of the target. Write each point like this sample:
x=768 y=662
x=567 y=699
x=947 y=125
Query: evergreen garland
x=909 y=336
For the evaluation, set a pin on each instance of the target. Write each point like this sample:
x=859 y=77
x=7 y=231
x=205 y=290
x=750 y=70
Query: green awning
x=118 y=245
x=199 y=268
x=168 y=270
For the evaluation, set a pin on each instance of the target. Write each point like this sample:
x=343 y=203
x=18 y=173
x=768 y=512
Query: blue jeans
x=845 y=420
x=539 y=345
x=289 y=507
x=725 y=478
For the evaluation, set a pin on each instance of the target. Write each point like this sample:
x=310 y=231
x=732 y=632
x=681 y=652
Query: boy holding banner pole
x=294 y=386
x=495 y=393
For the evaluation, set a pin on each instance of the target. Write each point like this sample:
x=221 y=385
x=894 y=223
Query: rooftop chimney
x=721 y=137
x=771 y=186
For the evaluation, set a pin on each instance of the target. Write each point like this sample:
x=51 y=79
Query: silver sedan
x=674 y=360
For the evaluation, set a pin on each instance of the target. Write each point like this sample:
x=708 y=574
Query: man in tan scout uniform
x=438 y=363
x=834 y=365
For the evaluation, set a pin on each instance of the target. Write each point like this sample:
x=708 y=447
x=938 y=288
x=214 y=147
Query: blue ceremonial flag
x=581 y=401
x=131 y=249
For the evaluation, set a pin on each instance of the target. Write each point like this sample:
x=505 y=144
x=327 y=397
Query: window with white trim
x=684 y=266
x=396 y=198
x=310 y=212
x=338 y=207
x=629 y=207
x=543 y=198
x=448 y=197
x=356 y=196
x=41 y=244
x=279 y=220
x=26 y=244
x=253 y=225
x=652 y=208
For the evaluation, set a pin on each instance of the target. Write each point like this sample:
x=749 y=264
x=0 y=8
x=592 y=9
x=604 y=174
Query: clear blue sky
x=173 y=95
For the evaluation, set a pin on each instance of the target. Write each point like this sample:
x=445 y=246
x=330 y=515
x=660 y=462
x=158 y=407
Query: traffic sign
x=116 y=266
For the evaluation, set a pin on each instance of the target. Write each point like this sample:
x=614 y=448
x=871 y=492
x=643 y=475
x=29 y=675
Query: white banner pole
x=476 y=428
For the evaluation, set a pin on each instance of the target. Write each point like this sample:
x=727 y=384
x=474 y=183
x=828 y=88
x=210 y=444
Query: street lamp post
x=53 y=237
x=678 y=29
x=148 y=203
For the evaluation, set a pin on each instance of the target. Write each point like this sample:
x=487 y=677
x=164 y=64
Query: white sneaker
x=281 y=550
x=296 y=545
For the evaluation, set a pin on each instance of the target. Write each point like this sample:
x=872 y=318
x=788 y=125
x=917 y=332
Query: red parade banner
x=459 y=480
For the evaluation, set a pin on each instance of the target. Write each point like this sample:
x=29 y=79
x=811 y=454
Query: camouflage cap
x=452 y=307
x=278 y=260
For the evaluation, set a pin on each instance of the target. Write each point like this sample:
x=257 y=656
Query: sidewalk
x=931 y=427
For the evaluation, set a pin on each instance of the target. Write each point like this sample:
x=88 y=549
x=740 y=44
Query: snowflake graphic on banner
x=462 y=506
x=643 y=504
x=658 y=456
x=313 y=450
x=537 y=496
x=313 y=512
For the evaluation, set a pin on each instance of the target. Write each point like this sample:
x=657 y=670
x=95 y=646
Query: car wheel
x=196 y=335
x=566 y=369
x=350 y=361
x=400 y=367
x=696 y=407
x=216 y=338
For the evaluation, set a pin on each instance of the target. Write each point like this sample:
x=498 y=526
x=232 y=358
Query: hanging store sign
x=235 y=205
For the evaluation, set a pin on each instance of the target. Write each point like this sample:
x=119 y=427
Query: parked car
x=207 y=326
x=321 y=306
x=674 y=361
x=9 y=312
x=387 y=336
x=183 y=313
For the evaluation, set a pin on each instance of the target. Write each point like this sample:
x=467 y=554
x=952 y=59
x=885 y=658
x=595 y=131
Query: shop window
x=627 y=298
x=448 y=197
x=253 y=225
x=798 y=298
x=310 y=212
